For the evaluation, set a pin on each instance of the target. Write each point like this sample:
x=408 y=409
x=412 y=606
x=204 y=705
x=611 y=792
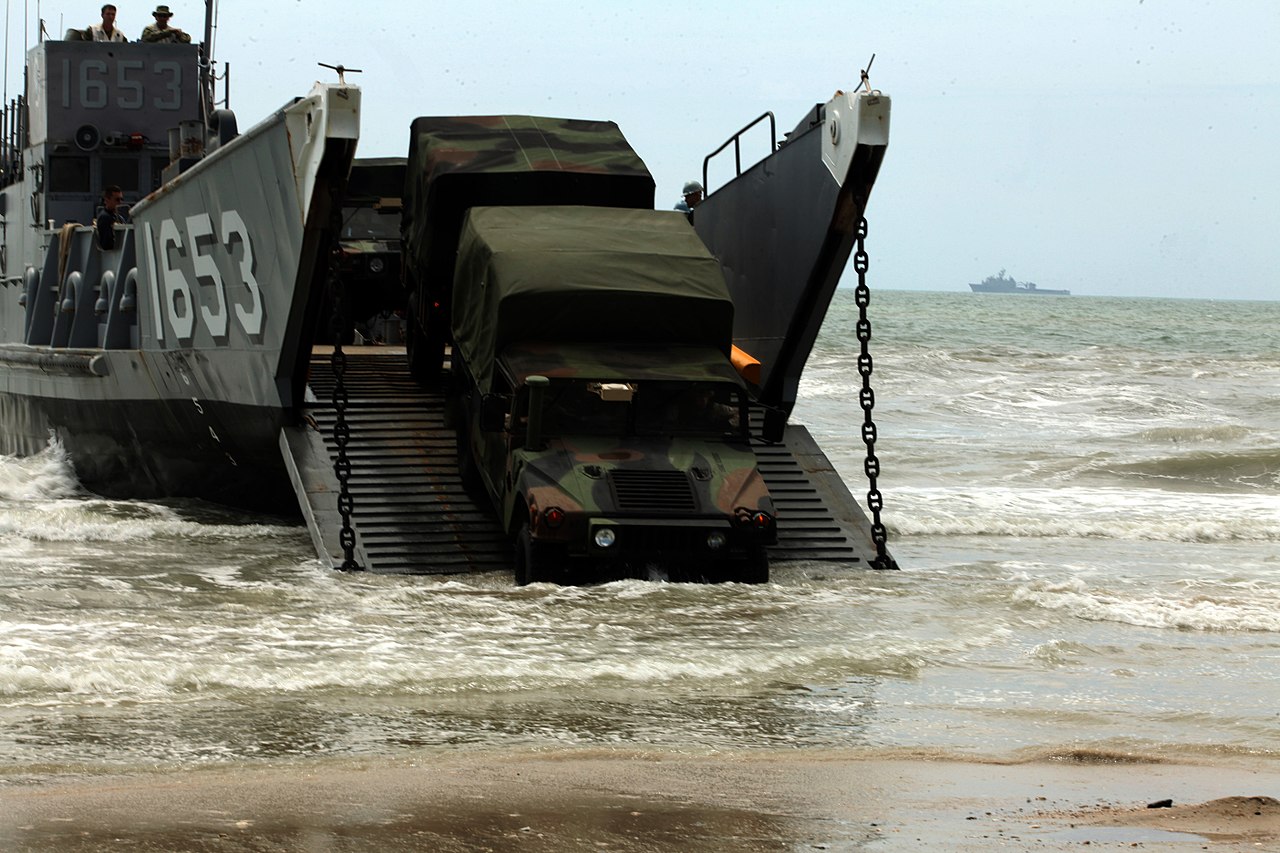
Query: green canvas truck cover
x=569 y=274
x=458 y=162
x=621 y=362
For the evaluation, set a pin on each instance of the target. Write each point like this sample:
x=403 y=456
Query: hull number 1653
x=194 y=244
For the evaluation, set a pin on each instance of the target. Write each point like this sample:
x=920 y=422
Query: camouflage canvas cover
x=457 y=162
x=614 y=362
x=584 y=275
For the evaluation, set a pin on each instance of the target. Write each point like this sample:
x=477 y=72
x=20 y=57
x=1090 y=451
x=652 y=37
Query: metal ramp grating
x=410 y=513
x=818 y=518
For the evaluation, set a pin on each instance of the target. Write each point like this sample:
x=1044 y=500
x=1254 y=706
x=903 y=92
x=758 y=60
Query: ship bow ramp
x=783 y=231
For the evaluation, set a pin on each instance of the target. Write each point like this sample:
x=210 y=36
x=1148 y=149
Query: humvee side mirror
x=493 y=412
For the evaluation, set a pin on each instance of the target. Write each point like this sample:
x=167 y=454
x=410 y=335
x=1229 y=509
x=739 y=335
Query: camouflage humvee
x=600 y=412
x=370 y=242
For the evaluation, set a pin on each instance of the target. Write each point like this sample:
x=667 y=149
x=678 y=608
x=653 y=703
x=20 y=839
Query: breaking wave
x=1079 y=512
x=1248 y=469
x=1227 y=607
x=47 y=475
x=41 y=500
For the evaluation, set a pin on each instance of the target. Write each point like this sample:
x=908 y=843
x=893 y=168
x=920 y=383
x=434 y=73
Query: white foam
x=47 y=475
x=1076 y=512
x=1227 y=608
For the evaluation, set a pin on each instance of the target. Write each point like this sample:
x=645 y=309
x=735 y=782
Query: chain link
x=867 y=399
x=338 y=362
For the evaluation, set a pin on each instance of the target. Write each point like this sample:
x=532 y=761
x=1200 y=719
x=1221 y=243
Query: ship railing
x=736 y=142
x=13 y=135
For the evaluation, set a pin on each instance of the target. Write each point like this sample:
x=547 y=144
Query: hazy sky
x=1113 y=147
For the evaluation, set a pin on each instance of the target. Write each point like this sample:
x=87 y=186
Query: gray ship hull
x=168 y=365
x=1002 y=283
x=1036 y=291
x=143 y=447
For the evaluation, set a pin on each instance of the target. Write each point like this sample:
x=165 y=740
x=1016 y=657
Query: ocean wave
x=397 y=667
x=1240 y=469
x=47 y=475
x=1231 y=608
x=101 y=520
x=1078 y=512
x=1194 y=433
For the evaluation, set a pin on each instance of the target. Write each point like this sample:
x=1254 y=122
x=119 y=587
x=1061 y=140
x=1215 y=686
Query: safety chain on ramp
x=338 y=361
x=867 y=399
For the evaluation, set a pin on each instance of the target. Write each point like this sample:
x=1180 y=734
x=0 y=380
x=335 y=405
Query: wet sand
x=642 y=802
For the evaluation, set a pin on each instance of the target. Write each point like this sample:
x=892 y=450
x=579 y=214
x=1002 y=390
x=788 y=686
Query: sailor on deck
x=107 y=30
x=111 y=214
x=160 y=31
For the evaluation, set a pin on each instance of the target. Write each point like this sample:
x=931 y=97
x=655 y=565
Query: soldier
x=692 y=198
x=112 y=213
x=106 y=31
x=160 y=31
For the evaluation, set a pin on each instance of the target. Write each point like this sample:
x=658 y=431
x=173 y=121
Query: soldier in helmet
x=161 y=32
x=692 y=198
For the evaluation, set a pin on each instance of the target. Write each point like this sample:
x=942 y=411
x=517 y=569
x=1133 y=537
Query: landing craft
x=243 y=339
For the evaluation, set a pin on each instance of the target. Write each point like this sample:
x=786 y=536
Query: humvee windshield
x=368 y=223
x=577 y=407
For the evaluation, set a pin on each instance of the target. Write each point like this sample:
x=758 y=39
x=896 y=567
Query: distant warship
x=1001 y=283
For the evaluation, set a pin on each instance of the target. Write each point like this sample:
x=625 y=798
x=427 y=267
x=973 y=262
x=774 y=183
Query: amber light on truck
x=554 y=516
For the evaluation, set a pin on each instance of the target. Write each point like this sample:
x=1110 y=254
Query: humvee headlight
x=716 y=540
x=376 y=265
x=605 y=537
x=554 y=516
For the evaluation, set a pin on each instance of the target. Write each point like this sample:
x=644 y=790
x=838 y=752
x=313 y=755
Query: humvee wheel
x=535 y=564
x=524 y=556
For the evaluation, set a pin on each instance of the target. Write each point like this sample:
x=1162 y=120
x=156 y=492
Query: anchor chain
x=867 y=399
x=338 y=362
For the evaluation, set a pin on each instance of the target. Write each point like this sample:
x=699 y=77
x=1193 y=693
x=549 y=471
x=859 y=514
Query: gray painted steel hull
x=168 y=366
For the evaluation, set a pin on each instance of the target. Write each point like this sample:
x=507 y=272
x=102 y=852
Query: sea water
x=1083 y=495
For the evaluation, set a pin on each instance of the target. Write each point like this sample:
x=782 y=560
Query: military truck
x=589 y=338
x=370 y=260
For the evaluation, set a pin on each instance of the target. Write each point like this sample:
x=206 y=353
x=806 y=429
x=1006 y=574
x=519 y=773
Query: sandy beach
x=615 y=801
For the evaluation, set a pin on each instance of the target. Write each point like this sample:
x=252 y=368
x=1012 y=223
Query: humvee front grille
x=652 y=491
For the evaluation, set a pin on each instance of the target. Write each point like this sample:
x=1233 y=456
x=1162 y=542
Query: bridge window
x=69 y=175
x=121 y=172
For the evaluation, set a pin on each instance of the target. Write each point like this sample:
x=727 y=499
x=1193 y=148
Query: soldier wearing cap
x=160 y=31
x=107 y=30
x=692 y=197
